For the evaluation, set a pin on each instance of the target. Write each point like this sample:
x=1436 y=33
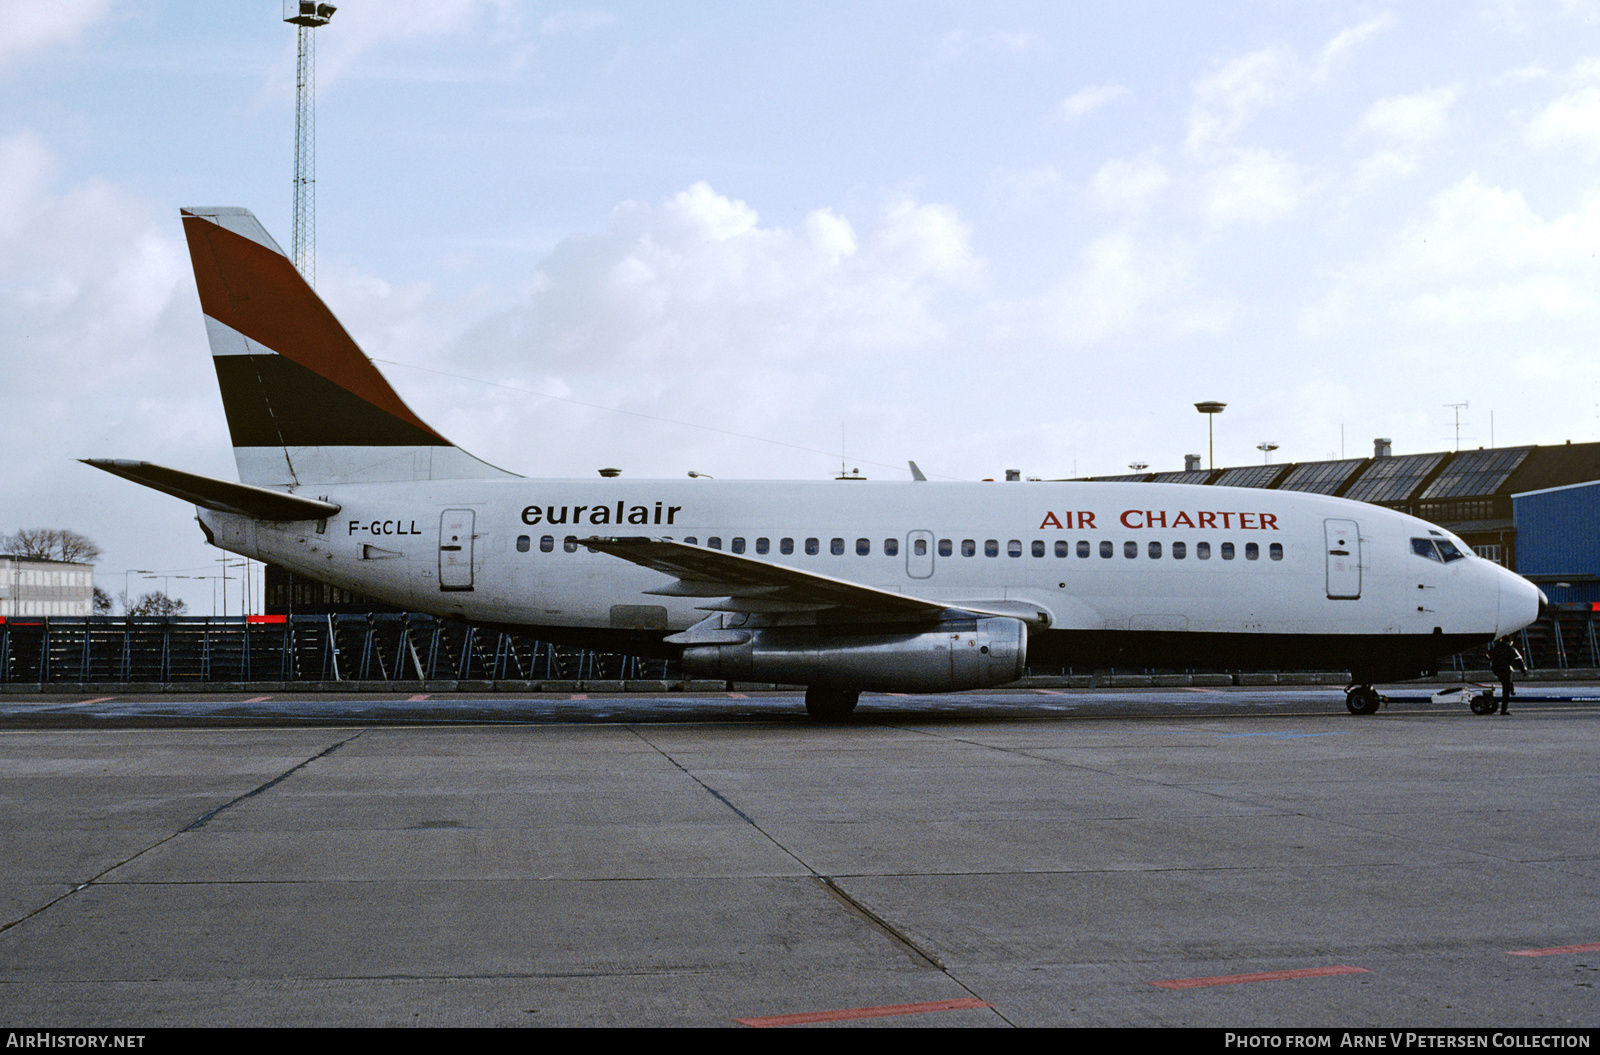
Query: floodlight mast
x=307 y=15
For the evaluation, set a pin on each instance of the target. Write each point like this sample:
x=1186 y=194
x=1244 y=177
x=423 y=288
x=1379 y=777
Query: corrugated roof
x=1479 y=472
x=1182 y=476
x=1251 y=475
x=1394 y=479
x=1320 y=478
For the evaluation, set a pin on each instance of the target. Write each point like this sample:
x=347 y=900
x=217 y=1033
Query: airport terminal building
x=35 y=586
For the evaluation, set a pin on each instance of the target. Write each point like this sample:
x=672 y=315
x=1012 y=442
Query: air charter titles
x=1228 y=520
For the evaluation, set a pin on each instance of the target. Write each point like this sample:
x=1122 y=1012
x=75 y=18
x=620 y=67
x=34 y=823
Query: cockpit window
x=1423 y=547
x=1439 y=549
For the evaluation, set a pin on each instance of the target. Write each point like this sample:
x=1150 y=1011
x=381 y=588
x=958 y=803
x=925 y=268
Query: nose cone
x=1521 y=602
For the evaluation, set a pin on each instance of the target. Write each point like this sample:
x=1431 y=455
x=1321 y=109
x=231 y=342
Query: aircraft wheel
x=1362 y=699
x=830 y=705
x=1483 y=703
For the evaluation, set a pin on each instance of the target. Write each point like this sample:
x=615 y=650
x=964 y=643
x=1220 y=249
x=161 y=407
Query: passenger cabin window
x=944 y=547
x=786 y=546
x=1180 y=550
x=570 y=543
x=1083 y=549
x=1227 y=551
x=836 y=547
x=1063 y=549
x=1202 y=550
x=1014 y=548
x=1252 y=551
x=813 y=547
x=715 y=542
x=969 y=548
x=891 y=546
x=1130 y=550
x=763 y=545
x=1038 y=548
x=863 y=547
x=1155 y=551
x=524 y=543
x=991 y=547
x=737 y=545
x=1107 y=550
x=1275 y=551
x=547 y=544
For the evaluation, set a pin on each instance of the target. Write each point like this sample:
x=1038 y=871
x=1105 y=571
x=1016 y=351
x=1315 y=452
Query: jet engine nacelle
x=961 y=654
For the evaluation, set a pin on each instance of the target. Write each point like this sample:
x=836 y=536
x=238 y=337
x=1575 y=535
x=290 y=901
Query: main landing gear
x=1362 y=699
x=831 y=705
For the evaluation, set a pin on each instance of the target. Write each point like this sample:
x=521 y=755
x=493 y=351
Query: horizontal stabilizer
x=221 y=495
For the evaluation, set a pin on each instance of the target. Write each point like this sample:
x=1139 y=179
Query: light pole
x=1210 y=408
x=1266 y=448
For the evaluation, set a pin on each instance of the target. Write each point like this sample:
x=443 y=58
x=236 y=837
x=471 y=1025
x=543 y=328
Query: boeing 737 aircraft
x=912 y=587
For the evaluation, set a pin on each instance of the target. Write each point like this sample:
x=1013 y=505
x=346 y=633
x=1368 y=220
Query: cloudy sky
x=755 y=239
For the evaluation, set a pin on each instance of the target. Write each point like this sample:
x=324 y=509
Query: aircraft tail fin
x=304 y=404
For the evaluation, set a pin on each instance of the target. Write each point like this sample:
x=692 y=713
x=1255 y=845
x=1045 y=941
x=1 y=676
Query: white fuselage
x=1128 y=559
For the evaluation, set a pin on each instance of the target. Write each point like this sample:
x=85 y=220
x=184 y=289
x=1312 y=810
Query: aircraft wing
x=742 y=584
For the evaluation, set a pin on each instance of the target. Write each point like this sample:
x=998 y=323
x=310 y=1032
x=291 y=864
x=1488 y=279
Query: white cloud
x=1024 y=190
x=1414 y=119
x=1124 y=286
x=1538 y=296
x=1406 y=125
x=697 y=279
x=959 y=44
x=1228 y=99
x=27 y=26
x=1572 y=121
x=1082 y=103
x=1480 y=255
x=1254 y=186
x=1129 y=185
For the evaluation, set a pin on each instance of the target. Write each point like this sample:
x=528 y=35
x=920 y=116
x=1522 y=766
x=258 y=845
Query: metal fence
x=388 y=648
x=385 y=648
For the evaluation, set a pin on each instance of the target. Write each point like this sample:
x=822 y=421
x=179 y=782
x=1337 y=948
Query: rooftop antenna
x=307 y=15
x=1458 y=408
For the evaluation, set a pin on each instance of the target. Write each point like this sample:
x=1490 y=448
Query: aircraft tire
x=1362 y=699
x=831 y=705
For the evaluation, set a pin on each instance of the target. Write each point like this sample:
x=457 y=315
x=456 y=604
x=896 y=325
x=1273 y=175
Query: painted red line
x=885 y=1011
x=258 y=699
x=1557 y=951
x=417 y=699
x=97 y=699
x=1262 y=976
x=737 y=696
x=579 y=696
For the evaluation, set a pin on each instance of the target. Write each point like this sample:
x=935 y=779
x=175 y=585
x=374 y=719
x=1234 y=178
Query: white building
x=35 y=586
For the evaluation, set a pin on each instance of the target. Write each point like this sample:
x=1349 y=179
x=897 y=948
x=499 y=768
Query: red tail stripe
x=258 y=292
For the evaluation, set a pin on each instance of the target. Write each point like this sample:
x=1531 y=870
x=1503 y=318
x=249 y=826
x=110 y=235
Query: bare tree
x=51 y=544
x=157 y=603
x=102 y=602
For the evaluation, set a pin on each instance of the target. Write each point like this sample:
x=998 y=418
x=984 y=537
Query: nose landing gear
x=1362 y=699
